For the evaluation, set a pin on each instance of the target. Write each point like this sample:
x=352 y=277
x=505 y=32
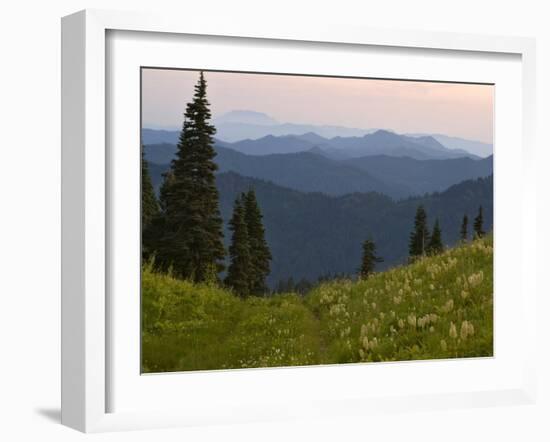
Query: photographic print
x=293 y=220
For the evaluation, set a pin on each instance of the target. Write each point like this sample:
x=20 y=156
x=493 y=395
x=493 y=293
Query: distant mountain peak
x=316 y=150
x=471 y=147
x=313 y=137
x=383 y=133
x=246 y=117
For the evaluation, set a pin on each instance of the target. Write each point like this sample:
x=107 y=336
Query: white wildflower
x=452 y=331
x=466 y=329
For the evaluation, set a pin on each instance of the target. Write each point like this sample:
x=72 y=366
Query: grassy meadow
x=437 y=307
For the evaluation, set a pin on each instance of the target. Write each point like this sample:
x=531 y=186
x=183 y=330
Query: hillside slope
x=311 y=234
x=438 y=307
x=423 y=176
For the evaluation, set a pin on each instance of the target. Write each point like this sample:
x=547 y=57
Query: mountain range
x=303 y=171
x=313 y=171
x=244 y=124
x=380 y=142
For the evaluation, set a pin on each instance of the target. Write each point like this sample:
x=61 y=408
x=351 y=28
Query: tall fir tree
x=260 y=255
x=478 y=224
x=238 y=273
x=369 y=259
x=167 y=181
x=192 y=240
x=285 y=286
x=156 y=238
x=149 y=203
x=420 y=236
x=435 y=246
x=149 y=210
x=464 y=229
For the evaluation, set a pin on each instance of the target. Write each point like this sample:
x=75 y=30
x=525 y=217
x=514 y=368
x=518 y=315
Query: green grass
x=438 y=307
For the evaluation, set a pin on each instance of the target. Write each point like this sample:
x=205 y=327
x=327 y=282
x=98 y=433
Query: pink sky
x=462 y=110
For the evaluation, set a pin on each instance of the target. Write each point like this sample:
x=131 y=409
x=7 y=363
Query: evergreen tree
x=290 y=286
x=420 y=236
x=149 y=203
x=150 y=212
x=435 y=245
x=369 y=259
x=192 y=240
x=260 y=255
x=155 y=238
x=280 y=287
x=464 y=228
x=303 y=286
x=478 y=224
x=238 y=273
x=167 y=181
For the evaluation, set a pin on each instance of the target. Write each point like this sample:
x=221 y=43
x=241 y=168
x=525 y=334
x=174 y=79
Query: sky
x=461 y=110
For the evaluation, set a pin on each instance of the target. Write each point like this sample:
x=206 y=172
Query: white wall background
x=30 y=214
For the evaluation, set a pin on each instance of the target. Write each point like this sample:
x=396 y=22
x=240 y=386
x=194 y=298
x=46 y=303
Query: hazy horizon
x=453 y=109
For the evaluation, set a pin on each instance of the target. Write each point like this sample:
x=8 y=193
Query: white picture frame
x=87 y=353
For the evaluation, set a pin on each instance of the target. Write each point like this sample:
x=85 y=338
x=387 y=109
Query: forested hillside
x=312 y=234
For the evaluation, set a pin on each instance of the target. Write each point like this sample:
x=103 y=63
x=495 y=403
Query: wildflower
x=466 y=329
x=432 y=329
x=411 y=319
x=373 y=343
x=475 y=278
x=443 y=345
x=345 y=332
x=464 y=294
x=449 y=305
x=452 y=331
x=401 y=323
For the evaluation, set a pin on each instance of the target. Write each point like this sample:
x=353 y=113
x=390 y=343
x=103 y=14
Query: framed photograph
x=264 y=224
